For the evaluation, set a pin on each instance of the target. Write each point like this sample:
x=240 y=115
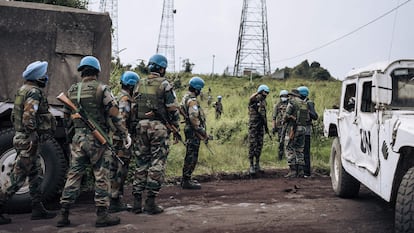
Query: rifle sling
x=83 y=112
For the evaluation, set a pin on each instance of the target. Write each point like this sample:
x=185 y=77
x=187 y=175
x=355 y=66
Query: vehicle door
x=366 y=122
x=348 y=130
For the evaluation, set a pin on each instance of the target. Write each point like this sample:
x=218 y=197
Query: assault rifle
x=201 y=137
x=96 y=132
x=171 y=127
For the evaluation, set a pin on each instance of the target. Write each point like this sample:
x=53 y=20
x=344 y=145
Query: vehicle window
x=349 y=100
x=403 y=88
x=366 y=102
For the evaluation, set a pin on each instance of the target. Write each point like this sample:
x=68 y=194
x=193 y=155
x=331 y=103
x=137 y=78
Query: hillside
x=230 y=132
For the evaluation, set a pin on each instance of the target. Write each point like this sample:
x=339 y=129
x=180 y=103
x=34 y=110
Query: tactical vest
x=281 y=110
x=302 y=116
x=150 y=98
x=184 y=107
x=90 y=100
x=18 y=109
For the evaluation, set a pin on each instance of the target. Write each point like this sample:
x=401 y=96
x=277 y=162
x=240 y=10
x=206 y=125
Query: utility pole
x=111 y=6
x=212 y=69
x=253 y=41
x=166 y=43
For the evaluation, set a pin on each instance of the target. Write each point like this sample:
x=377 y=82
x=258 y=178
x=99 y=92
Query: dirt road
x=269 y=203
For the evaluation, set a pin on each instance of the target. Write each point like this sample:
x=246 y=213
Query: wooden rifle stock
x=95 y=132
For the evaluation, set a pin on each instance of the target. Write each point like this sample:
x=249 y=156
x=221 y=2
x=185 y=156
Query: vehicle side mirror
x=381 y=89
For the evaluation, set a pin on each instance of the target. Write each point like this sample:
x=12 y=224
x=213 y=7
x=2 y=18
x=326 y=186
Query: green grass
x=230 y=132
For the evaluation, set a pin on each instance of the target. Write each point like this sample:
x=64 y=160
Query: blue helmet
x=159 y=60
x=219 y=97
x=89 y=61
x=263 y=88
x=129 y=78
x=283 y=92
x=35 y=70
x=196 y=83
x=303 y=91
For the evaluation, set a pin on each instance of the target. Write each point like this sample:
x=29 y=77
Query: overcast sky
x=204 y=28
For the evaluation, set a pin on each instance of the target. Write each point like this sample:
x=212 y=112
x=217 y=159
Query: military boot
x=189 y=184
x=116 y=205
x=257 y=167
x=152 y=208
x=104 y=219
x=301 y=172
x=64 y=218
x=252 y=171
x=292 y=172
x=3 y=219
x=137 y=209
x=39 y=212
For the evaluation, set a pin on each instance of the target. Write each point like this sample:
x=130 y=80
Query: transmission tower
x=166 y=44
x=111 y=6
x=253 y=43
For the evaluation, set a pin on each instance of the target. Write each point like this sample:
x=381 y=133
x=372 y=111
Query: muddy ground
x=237 y=203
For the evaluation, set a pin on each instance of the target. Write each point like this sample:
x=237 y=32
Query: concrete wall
x=59 y=35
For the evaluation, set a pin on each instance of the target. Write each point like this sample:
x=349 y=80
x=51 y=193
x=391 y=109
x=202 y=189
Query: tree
x=188 y=66
x=302 y=69
x=142 y=68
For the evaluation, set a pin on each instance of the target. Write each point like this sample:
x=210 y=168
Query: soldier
x=32 y=122
x=296 y=117
x=279 y=110
x=119 y=172
x=195 y=130
x=257 y=126
x=157 y=116
x=97 y=102
x=209 y=99
x=313 y=116
x=218 y=106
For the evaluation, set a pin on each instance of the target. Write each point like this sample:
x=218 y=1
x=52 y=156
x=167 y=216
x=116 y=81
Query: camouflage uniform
x=119 y=172
x=296 y=117
x=32 y=121
x=98 y=102
x=195 y=126
x=218 y=106
x=313 y=115
x=279 y=110
x=156 y=105
x=257 y=126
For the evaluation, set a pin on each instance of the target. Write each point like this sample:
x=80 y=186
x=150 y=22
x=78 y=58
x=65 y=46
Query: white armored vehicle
x=374 y=137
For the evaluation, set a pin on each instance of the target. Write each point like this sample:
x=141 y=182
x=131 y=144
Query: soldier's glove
x=273 y=131
x=127 y=142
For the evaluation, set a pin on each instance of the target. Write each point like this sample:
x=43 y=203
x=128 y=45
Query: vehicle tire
x=404 y=207
x=343 y=184
x=53 y=164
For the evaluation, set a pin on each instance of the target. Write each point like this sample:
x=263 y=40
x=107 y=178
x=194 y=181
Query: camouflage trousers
x=191 y=155
x=281 y=133
x=119 y=172
x=85 y=151
x=27 y=164
x=256 y=134
x=151 y=156
x=295 y=147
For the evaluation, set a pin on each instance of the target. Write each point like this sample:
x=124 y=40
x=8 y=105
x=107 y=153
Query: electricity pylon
x=166 y=43
x=253 y=43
